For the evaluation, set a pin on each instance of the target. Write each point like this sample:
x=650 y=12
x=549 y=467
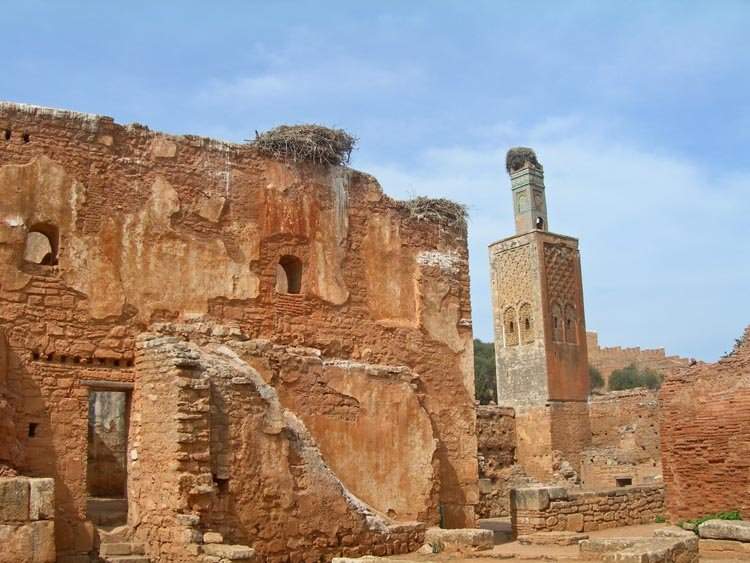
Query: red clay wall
x=705 y=436
x=155 y=227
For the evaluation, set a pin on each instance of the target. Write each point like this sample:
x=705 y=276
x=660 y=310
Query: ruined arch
x=42 y=244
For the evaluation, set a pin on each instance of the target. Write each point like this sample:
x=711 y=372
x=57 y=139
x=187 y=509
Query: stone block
x=32 y=542
x=14 y=499
x=42 y=499
x=724 y=549
x=552 y=538
x=460 y=538
x=574 y=523
x=212 y=537
x=737 y=530
x=231 y=552
x=534 y=498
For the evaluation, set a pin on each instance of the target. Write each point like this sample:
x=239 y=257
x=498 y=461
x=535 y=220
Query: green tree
x=484 y=371
x=631 y=377
x=596 y=381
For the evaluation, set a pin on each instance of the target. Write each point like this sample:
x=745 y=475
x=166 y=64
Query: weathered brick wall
x=624 y=439
x=546 y=509
x=238 y=463
x=496 y=449
x=27 y=526
x=608 y=359
x=571 y=431
x=705 y=436
x=154 y=227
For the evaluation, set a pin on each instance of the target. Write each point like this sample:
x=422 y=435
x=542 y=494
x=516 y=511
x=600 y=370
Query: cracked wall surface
x=151 y=228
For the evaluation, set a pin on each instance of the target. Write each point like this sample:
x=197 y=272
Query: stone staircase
x=115 y=546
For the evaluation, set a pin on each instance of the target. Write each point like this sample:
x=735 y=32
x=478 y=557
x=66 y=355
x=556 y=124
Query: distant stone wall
x=606 y=360
x=547 y=509
x=27 y=526
x=705 y=436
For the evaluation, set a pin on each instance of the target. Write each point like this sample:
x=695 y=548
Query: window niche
x=557 y=323
x=289 y=275
x=41 y=245
x=571 y=325
x=527 y=323
x=510 y=327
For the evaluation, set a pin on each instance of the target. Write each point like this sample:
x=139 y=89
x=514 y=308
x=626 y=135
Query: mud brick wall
x=237 y=463
x=705 y=436
x=624 y=439
x=27 y=526
x=546 y=509
x=496 y=452
x=149 y=227
x=608 y=359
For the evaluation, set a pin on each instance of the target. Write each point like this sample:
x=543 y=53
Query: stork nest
x=311 y=143
x=441 y=211
x=519 y=157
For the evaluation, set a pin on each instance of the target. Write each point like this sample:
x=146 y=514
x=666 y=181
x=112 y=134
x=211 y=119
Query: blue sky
x=639 y=112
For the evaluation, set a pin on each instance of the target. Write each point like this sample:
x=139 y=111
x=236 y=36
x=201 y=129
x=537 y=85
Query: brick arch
x=510 y=326
x=526 y=323
x=571 y=324
x=558 y=333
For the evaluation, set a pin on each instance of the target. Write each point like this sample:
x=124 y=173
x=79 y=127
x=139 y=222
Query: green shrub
x=660 y=519
x=695 y=522
x=631 y=377
x=484 y=372
x=596 y=381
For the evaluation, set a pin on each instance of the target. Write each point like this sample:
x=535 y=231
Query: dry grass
x=310 y=143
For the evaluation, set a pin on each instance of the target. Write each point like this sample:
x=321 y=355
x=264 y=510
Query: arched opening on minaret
x=509 y=327
x=540 y=223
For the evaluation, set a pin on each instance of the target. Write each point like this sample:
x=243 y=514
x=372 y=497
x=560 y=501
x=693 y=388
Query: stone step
x=126 y=559
x=116 y=534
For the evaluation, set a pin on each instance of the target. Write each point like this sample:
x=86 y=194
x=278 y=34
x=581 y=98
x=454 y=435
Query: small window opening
x=624 y=481
x=26 y=138
x=289 y=275
x=7 y=134
x=567 y=323
x=527 y=323
x=511 y=327
x=554 y=321
x=32 y=429
x=221 y=484
x=41 y=245
x=540 y=223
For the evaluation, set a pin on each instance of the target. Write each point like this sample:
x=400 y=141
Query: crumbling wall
x=546 y=509
x=705 y=436
x=498 y=470
x=27 y=526
x=608 y=359
x=625 y=439
x=150 y=227
x=238 y=463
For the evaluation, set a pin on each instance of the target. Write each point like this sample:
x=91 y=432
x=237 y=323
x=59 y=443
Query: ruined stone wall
x=546 y=509
x=624 y=439
x=496 y=453
x=244 y=466
x=705 y=436
x=608 y=359
x=150 y=227
x=27 y=526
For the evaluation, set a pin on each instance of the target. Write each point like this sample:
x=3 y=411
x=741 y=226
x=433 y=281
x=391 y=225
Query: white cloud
x=661 y=238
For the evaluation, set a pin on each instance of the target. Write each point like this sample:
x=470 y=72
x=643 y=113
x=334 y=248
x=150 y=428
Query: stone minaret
x=540 y=335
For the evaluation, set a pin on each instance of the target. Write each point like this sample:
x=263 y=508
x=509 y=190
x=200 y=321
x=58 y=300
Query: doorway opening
x=106 y=470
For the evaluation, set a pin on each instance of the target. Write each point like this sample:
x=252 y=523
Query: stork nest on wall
x=310 y=143
x=441 y=211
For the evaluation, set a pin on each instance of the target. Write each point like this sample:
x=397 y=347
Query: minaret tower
x=540 y=335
